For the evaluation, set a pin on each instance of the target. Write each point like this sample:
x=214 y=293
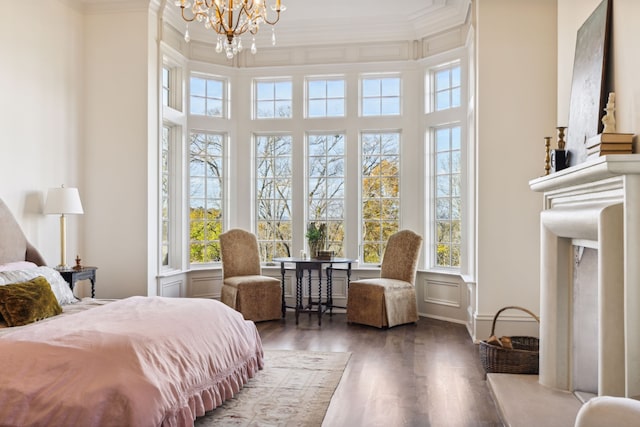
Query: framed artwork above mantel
x=589 y=84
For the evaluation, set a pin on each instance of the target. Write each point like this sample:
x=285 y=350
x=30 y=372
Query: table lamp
x=63 y=201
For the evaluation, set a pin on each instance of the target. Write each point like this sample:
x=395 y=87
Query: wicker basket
x=522 y=359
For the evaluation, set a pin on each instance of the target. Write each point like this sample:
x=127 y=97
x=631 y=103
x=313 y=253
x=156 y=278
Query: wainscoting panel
x=172 y=287
x=443 y=293
x=442 y=296
x=205 y=284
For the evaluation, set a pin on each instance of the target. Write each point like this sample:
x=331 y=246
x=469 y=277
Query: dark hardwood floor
x=428 y=374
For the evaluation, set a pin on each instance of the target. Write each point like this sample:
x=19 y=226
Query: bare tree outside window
x=448 y=196
x=325 y=183
x=273 y=195
x=205 y=196
x=380 y=192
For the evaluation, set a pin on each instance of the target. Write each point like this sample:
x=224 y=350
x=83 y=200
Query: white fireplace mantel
x=597 y=204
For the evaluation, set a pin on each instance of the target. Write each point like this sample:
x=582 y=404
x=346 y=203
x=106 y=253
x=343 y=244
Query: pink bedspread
x=141 y=361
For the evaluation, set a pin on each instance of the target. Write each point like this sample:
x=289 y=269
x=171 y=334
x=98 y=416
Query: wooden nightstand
x=85 y=273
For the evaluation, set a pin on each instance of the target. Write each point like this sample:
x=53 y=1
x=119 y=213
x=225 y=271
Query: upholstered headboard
x=13 y=243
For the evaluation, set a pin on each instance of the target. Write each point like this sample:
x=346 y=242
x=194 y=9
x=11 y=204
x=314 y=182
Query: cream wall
x=516 y=109
x=122 y=184
x=41 y=117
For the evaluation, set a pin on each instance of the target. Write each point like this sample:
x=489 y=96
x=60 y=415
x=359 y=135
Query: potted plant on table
x=316 y=237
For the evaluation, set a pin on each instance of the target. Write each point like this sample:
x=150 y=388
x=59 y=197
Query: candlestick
x=561 y=141
x=547 y=156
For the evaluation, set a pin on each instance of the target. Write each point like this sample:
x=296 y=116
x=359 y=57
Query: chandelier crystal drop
x=230 y=19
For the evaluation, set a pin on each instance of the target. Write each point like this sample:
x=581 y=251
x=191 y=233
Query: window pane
x=273 y=99
x=390 y=87
x=317 y=108
x=198 y=105
x=166 y=200
x=371 y=107
x=325 y=186
x=390 y=106
x=205 y=196
x=317 y=89
x=265 y=90
x=442 y=100
x=446 y=87
x=197 y=86
x=283 y=90
x=447 y=190
x=273 y=195
x=325 y=98
x=207 y=97
x=265 y=109
x=335 y=89
x=371 y=88
x=380 y=97
x=335 y=107
x=380 y=153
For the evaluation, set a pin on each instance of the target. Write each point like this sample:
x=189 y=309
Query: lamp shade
x=63 y=201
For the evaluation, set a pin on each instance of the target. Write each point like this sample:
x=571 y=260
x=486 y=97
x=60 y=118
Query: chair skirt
x=381 y=303
x=258 y=298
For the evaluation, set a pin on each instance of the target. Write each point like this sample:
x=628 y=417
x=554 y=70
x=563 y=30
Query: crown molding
x=89 y=7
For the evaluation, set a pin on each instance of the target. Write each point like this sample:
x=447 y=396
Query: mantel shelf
x=590 y=171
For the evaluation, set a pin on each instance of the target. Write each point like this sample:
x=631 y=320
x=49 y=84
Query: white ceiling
x=308 y=22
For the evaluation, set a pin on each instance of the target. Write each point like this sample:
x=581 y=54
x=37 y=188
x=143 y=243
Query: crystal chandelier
x=230 y=20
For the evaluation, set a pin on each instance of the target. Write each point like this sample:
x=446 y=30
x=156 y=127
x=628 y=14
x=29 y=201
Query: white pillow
x=59 y=286
x=18 y=265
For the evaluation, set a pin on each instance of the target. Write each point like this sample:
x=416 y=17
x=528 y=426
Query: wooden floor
x=427 y=374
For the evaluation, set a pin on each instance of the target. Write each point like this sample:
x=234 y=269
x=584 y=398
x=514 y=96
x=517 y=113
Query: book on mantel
x=609 y=143
x=608 y=146
x=610 y=139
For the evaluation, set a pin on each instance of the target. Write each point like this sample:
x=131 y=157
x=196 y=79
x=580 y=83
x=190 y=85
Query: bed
x=139 y=361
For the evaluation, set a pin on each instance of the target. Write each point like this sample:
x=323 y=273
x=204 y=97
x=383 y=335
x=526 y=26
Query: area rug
x=293 y=389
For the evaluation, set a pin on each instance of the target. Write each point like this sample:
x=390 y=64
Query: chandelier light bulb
x=187 y=37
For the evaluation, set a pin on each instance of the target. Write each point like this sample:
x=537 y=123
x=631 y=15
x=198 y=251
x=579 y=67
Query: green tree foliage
x=204 y=234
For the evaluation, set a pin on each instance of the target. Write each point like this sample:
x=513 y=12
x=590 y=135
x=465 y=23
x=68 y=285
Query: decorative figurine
x=609 y=119
x=78 y=266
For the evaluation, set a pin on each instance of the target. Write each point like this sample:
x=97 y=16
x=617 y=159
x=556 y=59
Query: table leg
x=320 y=296
x=330 y=289
x=310 y=300
x=284 y=305
x=299 y=274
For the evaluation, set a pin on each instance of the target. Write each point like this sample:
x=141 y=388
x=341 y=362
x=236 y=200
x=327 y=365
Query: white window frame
x=225 y=98
x=275 y=100
x=433 y=119
x=381 y=97
x=327 y=98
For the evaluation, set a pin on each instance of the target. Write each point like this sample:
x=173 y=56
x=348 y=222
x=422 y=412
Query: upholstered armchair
x=244 y=288
x=390 y=299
